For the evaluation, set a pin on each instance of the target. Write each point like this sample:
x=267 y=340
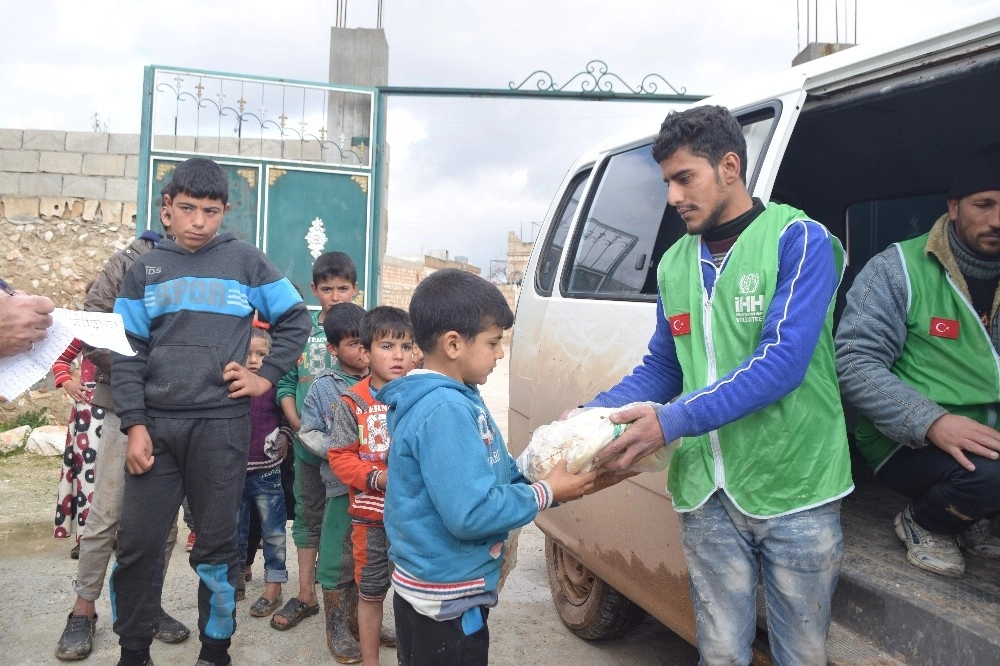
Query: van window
x=548 y=261
x=758 y=125
x=873 y=225
x=614 y=252
x=629 y=224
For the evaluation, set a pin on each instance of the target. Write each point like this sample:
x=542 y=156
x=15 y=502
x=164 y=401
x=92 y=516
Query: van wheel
x=591 y=608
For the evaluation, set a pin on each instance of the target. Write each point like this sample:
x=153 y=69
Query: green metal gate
x=297 y=155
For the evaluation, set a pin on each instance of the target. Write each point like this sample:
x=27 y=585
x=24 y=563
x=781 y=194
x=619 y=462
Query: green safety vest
x=948 y=356
x=789 y=456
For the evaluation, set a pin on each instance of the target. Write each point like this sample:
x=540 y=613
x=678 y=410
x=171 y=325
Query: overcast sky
x=464 y=172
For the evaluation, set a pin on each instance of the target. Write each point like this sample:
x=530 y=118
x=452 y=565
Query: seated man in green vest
x=744 y=342
x=917 y=355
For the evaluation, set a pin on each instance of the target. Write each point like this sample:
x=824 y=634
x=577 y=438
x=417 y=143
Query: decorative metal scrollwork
x=596 y=78
x=249 y=175
x=237 y=121
x=316 y=238
x=362 y=182
x=274 y=174
x=163 y=169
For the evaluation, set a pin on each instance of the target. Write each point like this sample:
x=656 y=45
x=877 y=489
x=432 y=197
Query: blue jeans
x=263 y=490
x=799 y=557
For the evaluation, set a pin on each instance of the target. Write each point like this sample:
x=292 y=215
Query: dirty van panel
x=645 y=559
x=533 y=302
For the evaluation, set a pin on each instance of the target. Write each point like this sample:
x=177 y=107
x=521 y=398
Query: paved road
x=36 y=576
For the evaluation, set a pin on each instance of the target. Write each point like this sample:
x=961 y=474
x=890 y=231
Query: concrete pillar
x=358 y=57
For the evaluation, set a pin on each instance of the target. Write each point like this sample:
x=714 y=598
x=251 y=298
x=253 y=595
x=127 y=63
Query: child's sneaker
x=190 y=542
x=978 y=540
x=931 y=551
x=170 y=630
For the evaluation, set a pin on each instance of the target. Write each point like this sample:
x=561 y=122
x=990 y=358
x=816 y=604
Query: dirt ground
x=36 y=575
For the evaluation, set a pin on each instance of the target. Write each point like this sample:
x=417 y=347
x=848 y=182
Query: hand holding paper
x=98 y=329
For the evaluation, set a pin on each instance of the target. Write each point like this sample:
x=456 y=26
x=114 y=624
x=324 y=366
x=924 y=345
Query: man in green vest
x=742 y=363
x=917 y=355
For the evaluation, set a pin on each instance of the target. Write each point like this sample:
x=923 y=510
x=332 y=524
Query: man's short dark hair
x=384 y=321
x=200 y=178
x=334 y=265
x=343 y=320
x=706 y=131
x=455 y=300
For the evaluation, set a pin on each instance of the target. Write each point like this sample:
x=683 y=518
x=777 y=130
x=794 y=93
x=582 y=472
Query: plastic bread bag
x=578 y=439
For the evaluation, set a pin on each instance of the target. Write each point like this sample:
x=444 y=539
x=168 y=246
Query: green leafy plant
x=36 y=418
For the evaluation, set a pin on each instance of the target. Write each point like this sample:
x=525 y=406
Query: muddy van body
x=865 y=141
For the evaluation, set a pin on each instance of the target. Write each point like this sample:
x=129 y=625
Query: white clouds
x=404 y=132
x=463 y=172
x=469 y=216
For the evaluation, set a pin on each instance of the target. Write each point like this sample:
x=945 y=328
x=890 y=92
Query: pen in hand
x=26 y=320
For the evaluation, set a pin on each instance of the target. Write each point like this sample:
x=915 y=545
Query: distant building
x=399 y=276
x=518 y=253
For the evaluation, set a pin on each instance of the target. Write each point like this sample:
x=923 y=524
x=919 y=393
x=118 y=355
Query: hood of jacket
x=403 y=393
x=170 y=244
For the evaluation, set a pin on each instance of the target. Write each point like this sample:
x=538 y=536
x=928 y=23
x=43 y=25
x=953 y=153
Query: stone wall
x=67 y=203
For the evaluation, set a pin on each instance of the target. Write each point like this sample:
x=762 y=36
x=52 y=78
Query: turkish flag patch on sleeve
x=944 y=328
x=681 y=324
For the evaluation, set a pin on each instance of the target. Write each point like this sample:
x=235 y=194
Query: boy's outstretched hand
x=139 y=456
x=244 y=383
x=566 y=486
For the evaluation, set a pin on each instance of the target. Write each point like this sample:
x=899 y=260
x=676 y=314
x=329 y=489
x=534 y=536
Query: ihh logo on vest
x=749 y=306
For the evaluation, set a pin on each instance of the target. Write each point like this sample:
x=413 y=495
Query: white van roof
x=962 y=33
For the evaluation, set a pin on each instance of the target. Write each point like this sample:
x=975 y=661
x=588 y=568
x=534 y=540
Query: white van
x=865 y=141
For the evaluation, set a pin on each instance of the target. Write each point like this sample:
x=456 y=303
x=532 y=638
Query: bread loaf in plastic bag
x=578 y=439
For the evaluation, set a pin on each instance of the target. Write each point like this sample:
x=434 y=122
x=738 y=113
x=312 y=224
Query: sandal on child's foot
x=241 y=592
x=264 y=606
x=247 y=575
x=292 y=613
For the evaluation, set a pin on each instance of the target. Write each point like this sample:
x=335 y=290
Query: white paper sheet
x=98 y=329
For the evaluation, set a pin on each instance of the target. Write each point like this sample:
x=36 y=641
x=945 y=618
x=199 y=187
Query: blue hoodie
x=454 y=493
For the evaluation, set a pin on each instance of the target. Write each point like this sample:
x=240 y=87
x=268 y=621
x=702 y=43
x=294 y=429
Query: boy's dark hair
x=384 y=321
x=261 y=334
x=454 y=300
x=200 y=178
x=706 y=131
x=341 y=321
x=334 y=265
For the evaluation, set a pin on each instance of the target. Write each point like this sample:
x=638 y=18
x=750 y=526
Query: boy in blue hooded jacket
x=454 y=491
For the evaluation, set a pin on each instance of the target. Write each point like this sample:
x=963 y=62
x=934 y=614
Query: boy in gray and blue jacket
x=184 y=401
